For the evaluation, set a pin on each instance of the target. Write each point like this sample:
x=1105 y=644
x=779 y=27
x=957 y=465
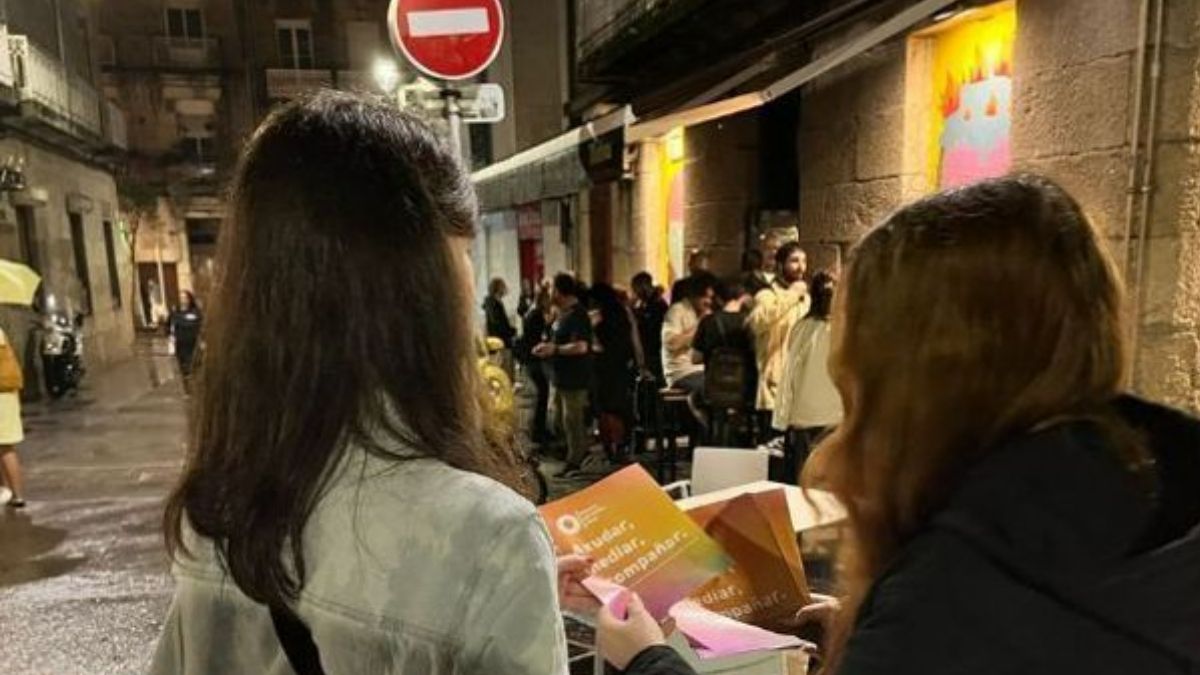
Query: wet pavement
x=83 y=574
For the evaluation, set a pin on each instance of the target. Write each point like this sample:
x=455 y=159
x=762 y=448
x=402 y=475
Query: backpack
x=725 y=376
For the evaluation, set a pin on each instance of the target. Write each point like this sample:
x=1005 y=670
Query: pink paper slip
x=715 y=636
x=610 y=594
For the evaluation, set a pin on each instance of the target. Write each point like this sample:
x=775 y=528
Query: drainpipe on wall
x=1146 y=189
x=58 y=33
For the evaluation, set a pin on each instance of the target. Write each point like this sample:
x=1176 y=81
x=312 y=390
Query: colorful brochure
x=638 y=538
x=766 y=585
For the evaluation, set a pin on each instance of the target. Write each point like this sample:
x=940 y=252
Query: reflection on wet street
x=83 y=575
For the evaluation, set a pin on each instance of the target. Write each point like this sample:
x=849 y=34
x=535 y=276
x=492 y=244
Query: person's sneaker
x=567 y=471
x=15 y=503
x=5 y=495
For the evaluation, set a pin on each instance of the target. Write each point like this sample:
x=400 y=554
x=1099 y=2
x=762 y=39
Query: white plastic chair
x=719 y=468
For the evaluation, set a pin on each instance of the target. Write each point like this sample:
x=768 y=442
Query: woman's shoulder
x=421 y=485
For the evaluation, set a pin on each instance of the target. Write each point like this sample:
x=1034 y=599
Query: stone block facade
x=851 y=144
x=1075 y=67
x=720 y=187
x=57 y=187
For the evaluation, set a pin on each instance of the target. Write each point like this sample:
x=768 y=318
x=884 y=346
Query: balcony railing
x=286 y=83
x=83 y=104
x=7 y=77
x=117 y=132
x=43 y=80
x=187 y=53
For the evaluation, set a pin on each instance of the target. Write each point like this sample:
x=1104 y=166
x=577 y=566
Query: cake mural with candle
x=975 y=140
x=970 y=125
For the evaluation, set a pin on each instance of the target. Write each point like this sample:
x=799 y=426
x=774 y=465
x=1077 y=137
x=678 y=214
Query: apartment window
x=114 y=276
x=27 y=232
x=79 y=243
x=199 y=149
x=295 y=43
x=185 y=24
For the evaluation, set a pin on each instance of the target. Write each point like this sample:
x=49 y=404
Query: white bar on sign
x=439 y=22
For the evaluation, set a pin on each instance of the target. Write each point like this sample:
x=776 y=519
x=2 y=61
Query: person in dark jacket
x=618 y=357
x=535 y=325
x=184 y=328
x=1010 y=510
x=650 y=309
x=498 y=325
x=528 y=297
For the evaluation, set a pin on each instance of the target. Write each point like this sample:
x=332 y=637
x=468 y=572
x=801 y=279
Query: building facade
x=196 y=77
x=60 y=143
x=706 y=123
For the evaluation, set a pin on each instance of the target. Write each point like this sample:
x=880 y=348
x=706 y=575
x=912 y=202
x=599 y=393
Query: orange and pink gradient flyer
x=638 y=537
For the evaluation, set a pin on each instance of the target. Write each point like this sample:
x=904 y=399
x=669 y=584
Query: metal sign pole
x=454 y=119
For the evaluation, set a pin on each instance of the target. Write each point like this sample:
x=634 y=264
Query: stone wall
x=1076 y=64
x=1074 y=70
x=56 y=186
x=1168 y=304
x=536 y=32
x=720 y=187
x=851 y=144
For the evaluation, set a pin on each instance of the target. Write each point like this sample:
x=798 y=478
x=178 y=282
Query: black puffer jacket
x=1049 y=560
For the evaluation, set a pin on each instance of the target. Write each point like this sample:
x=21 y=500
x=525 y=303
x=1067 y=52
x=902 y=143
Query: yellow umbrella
x=18 y=283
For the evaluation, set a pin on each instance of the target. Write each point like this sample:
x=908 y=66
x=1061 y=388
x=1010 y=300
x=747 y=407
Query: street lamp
x=386 y=75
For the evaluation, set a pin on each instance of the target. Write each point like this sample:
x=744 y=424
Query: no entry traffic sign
x=447 y=39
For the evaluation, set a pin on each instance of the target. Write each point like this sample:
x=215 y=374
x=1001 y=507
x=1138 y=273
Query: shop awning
x=549 y=169
x=706 y=112
x=553 y=168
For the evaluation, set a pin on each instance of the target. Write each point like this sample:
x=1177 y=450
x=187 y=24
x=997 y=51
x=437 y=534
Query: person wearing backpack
x=808 y=403
x=725 y=345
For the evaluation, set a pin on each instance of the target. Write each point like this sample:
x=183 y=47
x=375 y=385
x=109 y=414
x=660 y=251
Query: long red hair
x=965 y=319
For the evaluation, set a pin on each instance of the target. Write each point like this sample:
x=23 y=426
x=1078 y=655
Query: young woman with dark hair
x=343 y=502
x=1009 y=509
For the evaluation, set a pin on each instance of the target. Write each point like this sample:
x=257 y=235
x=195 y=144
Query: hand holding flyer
x=638 y=537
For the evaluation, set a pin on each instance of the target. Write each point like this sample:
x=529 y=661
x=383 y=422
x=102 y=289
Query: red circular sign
x=447 y=39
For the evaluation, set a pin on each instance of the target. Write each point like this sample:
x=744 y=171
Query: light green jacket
x=413 y=568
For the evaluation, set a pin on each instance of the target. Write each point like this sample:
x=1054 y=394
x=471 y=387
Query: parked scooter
x=62 y=352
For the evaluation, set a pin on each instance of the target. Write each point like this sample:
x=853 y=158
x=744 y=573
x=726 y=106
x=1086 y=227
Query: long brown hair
x=341 y=316
x=965 y=319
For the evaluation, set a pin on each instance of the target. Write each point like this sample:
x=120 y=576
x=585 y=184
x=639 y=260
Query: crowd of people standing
x=749 y=351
